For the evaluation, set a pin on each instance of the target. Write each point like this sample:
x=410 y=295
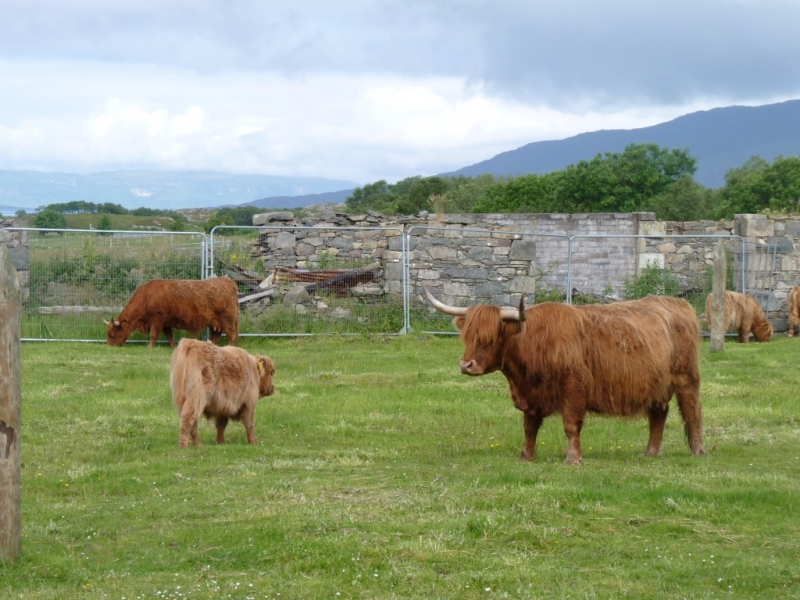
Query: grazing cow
x=220 y=383
x=743 y=314
x=167 y=304
x=794 y=311
x=622 y=359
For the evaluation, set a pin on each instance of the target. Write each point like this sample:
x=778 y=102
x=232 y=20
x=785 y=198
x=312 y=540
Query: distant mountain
x=157 y=189
x=300 y=201
x=720 y=139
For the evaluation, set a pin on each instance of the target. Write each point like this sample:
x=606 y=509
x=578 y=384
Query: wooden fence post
x=717 y=316
x=10 y=409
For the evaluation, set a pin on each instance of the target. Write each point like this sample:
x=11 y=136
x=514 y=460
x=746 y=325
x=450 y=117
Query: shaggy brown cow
x=743 y=314
x=622 y=359
x=220 y=383
x=163 y=304
x=794 y=311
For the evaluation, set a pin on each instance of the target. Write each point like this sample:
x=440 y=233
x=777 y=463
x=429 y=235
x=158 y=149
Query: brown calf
x=219 y=383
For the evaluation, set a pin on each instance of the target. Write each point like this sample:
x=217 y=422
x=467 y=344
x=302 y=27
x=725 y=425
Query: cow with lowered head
x=624 y=359
x=167 y=304
x=743 y=314
x=219 y=383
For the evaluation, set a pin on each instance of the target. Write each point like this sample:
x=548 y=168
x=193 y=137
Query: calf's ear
x=264 y=365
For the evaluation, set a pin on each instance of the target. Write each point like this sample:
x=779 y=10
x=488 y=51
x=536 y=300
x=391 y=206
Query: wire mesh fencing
x=465 y=267
x=73 y=279
x=297 y=280
x=307 y=280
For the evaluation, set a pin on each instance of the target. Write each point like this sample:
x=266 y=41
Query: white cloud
x=340 y=126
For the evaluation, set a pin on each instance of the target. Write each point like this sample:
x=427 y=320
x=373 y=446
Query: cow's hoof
x=525 y=456
x=571 y=460
x=652 y=453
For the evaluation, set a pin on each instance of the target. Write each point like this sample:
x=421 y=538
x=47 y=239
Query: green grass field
x=381 y=472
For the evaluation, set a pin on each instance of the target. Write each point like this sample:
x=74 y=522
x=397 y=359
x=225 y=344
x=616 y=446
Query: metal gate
x=73 y=279
x=465 y=266
x=313 y=280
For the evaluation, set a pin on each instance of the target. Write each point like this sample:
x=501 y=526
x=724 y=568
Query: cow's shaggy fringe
x=743 y=314
x=623 y=359
x=219 y=383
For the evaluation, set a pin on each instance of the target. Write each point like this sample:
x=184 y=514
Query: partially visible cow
x=622 y=359
x=794 y=311
x=220 y=383
x=167 y=304
x=743 y=314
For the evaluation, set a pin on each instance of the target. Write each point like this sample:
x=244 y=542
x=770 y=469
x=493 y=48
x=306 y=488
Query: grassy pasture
x=381 y=472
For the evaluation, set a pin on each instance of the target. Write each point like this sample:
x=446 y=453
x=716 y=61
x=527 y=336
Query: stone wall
x=495 y=257
x=462 y=258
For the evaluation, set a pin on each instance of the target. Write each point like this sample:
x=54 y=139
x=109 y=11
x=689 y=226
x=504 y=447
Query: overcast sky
x=366 y=90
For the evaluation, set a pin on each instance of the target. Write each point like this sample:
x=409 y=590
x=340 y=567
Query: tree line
x=644 y=177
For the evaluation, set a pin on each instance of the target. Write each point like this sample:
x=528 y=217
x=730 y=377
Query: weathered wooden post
x=717 y=316
x=10 y=409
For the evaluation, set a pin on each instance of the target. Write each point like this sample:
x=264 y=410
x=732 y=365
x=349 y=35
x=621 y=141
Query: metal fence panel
x=630 y=267
x=363 y=279
x=313 y=280
x=759 y=273
x=73 y=279
x=465 y=266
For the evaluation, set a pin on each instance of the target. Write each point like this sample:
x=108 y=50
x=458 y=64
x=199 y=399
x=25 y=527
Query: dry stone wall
x=466 y=258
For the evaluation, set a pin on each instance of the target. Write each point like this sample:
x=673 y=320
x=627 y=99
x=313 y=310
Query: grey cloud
x=607 y=54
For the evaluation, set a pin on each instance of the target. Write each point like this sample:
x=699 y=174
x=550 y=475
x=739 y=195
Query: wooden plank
x=10 y=409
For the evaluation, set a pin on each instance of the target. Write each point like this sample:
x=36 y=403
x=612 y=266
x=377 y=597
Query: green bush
x=652 y=280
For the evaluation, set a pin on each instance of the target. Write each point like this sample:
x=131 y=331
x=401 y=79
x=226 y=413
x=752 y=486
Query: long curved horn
x=512 y=314
x=106 y=322
x=457 y=311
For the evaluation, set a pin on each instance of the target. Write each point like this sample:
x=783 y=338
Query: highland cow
x=167 y=304
x=743 y=314
x=220 y=383
x=622 y=359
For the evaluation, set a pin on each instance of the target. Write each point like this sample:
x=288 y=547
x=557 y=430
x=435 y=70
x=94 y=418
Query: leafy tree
x=373 y=196
x=111 y=208
x=464 y=192
x=611 y=182
x=50 y=219
x=178 y=223
x=381 y=196
x=684 y=200
x=418 y=196
x=526 y=193
x=758 y=185
x=217 y=220
x=105 y=223
x=21 y=214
